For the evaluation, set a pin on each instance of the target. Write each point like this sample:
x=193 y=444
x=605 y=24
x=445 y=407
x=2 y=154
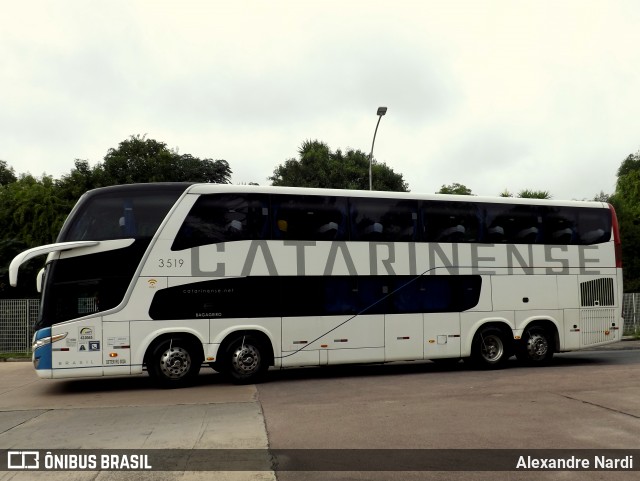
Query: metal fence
x=16 y=320
x=631 y=313
x=17 y=317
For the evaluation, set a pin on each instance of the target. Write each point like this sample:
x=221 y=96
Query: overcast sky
x=495 y=95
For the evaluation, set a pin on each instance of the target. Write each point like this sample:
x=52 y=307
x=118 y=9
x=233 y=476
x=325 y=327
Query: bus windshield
x=78 y=286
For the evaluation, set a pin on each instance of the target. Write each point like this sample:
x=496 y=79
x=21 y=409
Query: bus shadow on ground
x=208 y=377
x=415 y=368
x=143 y=382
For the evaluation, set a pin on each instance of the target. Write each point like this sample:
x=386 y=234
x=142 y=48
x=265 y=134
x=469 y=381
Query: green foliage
x=602 y=197
x=140 y=160
x=455 y=188
x=630 y=164
x=528 y=194
x=626 y=201
x=7 y=174
x=318 y=166
x=534 y=194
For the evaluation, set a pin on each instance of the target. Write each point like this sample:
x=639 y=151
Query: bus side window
x=309 y=217
x=513 y=224
x=387 y=220
x=594 y=226
x=219 y=218
x=559 y=225
x=451 y=221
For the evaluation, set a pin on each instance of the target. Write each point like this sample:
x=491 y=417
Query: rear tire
x=245 y=360
x=490 y=348
x=536 y=347
x=174 y=363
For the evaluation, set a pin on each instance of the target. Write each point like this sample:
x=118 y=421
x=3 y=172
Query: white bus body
x=246 y=277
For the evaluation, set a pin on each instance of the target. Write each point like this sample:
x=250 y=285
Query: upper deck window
x=309 y=217
x=119 y=213
x=224 y=218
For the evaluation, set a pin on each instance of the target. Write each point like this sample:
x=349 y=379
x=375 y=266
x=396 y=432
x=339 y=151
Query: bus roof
x=200 y=188
x=226 y=188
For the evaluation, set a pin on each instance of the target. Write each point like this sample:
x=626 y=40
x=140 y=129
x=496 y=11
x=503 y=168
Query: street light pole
x=380 y=113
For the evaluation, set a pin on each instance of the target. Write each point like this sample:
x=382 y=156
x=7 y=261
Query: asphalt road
x=585 y=400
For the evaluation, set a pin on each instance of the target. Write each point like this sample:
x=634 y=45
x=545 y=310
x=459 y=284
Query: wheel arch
x=263 y=336
x=499 y=323
x=154 y=340
x=547 y=323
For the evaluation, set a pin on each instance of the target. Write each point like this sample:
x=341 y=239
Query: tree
x=534 y=194
x=81 y=179
x=7 y=174
x=626 y=201
x=602 y=197
x=318 y=166
x=630 y=164
x=141 y=160
x=455 y=188
x=31 y=213
x=528 y=194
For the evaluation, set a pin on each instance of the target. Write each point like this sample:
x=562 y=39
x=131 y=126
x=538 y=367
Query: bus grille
x=596 y=325
x=598 y=292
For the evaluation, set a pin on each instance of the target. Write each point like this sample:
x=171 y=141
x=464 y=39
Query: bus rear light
x=617 y=244
x=113 y=354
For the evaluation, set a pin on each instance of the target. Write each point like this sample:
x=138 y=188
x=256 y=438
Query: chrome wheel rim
x=245 y=359
x=537 y=346
x=175 y=362
x=492 y=348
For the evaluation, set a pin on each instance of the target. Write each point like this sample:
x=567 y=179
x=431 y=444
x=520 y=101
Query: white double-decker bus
x=168 y=277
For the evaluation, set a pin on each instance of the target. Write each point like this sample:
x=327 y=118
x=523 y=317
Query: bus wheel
x=490 y=350
x=173 y=363
x=536 y=347
x=245 y=360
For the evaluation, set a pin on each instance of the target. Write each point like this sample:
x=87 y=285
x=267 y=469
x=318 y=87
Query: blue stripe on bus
x=42 y=355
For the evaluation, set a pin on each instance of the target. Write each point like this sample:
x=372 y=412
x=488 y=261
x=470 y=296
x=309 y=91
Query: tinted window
x=119 y=215
x=78 y=286
x=316 y=296
x=309 y=217
x=451 y=221
x=384 y=220
x=559 y=225
x=513 y=224
x=527 y=224
x=594 y=225
x=224 y=218
x=436 y=294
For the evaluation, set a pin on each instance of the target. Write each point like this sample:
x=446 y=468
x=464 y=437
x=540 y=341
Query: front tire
x=490 y=349
x=174 y=363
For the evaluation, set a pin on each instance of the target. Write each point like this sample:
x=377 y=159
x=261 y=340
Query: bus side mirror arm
x=39 y=251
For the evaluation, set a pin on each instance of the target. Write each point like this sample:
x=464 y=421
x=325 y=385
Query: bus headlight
x=48 y=340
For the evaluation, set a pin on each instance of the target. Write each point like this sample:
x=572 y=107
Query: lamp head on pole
x=381 y=111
